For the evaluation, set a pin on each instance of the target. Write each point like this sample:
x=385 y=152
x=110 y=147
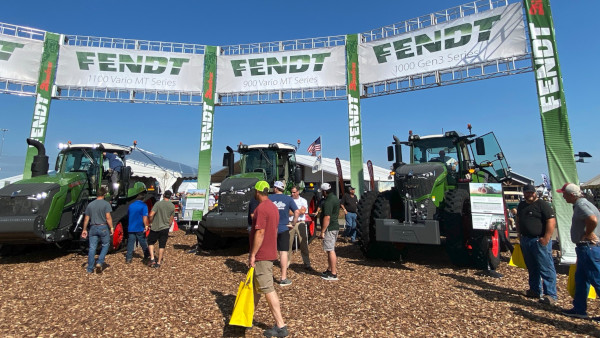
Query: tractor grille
x=235 y=201
x=417 y=179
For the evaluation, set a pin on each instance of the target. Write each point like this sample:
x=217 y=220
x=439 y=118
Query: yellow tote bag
x=243 y=310
x=516 y=259
x=571 y=283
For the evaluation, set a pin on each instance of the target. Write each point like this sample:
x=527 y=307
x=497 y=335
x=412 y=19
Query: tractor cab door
x=489 y=156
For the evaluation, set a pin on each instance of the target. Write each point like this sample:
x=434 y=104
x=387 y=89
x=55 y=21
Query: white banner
x=20 y=58
x=131 y=69
x=311 y=68
x=486 y=36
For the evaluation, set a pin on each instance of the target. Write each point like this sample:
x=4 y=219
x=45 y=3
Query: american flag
x=314 y=147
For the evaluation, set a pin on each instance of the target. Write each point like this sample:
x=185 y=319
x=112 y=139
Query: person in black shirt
x=535 y=224
x=349 y=204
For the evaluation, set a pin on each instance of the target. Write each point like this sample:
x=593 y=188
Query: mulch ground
x=45 y=292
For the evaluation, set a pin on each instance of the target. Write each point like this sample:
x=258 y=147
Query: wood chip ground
x=46 y=292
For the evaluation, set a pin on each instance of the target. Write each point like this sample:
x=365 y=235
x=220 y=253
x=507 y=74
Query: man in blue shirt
x=115 y=164
x=138 y=224
x=284 y=204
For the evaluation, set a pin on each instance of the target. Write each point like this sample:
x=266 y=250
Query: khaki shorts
x=329 y=240
x=263 y=277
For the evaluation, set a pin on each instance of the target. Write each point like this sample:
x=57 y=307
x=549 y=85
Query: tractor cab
x=272 y=162
x=461 y=160
x=92 y=160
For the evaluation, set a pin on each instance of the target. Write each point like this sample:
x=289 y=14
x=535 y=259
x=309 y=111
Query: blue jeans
x=540 y=266
x=102 y=234
x=141 y=238
x=588 y=272
x=350 y=230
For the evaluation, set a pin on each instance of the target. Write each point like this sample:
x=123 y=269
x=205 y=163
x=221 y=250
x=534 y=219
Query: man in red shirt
x=263 y=251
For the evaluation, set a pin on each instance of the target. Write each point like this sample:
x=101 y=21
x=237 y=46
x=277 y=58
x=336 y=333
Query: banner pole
x=554 y=117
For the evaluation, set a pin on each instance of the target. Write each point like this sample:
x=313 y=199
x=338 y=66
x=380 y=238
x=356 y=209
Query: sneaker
x=156 y=265
x=276 y=332
x=531 y=294
x=595 y=319
x=151 y=262
x=128 y=261
x=548 y=300
x=98 y=268
x=285 y=282
x=575 y=314
x=327 y=275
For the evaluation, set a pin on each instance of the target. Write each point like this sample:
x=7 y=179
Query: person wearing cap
x=263 y=251
x=535 y=222
x=300 y=228
x=285 y=204
x=584 y=233
x=115 y=164
x=350 y=205
x=161 y=217
x=138 y=224
x=329 y=230
x=449 y=161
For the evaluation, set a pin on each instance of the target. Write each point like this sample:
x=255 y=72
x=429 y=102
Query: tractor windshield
x=260 y=160
x=77 y=160
x=439 y=149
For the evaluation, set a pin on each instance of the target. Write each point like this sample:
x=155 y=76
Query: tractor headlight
x=39 y=196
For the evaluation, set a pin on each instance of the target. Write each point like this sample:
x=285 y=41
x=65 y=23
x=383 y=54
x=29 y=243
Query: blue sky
x=507 y=106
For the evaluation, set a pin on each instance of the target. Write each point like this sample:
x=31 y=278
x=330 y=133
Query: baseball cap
x=279 y=185
x=529 y=188
x=325 y=186
x=570 y=188
x=351 y=188
x=262 y=186
x=167 y=194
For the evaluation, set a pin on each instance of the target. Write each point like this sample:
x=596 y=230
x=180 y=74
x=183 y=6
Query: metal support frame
x=491 y=69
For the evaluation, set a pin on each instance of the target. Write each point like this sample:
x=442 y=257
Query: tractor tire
x=363 y=221
x=206 y=239
x=456 y=213
x=385 y=207
x=486 y=251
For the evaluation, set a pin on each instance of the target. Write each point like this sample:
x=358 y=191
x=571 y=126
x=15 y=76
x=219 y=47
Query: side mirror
x=226 y=159
x=480 y=146
x=297 y=174
x=390 y=153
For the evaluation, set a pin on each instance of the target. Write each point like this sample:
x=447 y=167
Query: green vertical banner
x=555 y=121
x=206 y=134
x=43 y=97
x=354 y=122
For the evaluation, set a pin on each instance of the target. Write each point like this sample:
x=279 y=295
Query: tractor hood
x=69 y=178
x=239 y=184
x=418 y=180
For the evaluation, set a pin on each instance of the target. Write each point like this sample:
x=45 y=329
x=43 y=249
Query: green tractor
x=49 y=208
x=269 y=162
x=431 y=200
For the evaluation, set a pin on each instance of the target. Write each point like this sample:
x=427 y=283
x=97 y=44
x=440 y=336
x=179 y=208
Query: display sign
x=194 y=204
x=493 y=34
x=20 y=58
x=487 y=206
x=110 y=68
x=309 y=68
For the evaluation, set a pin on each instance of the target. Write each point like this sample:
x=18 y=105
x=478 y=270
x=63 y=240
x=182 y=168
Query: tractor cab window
x=490 y=156
x=261 y=161
x=436 y=150
x=78 y=160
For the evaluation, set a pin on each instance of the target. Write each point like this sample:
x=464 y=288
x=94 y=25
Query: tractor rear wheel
x=457 y=223
x=385 y=207
x=363 y=221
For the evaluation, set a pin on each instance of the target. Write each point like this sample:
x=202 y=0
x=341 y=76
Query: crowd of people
x=277 y=224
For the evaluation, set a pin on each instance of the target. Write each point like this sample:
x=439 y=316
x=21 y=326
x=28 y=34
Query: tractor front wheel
x=486 y=251
x=385 y=207
x=456 y=214
x=117 y=238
